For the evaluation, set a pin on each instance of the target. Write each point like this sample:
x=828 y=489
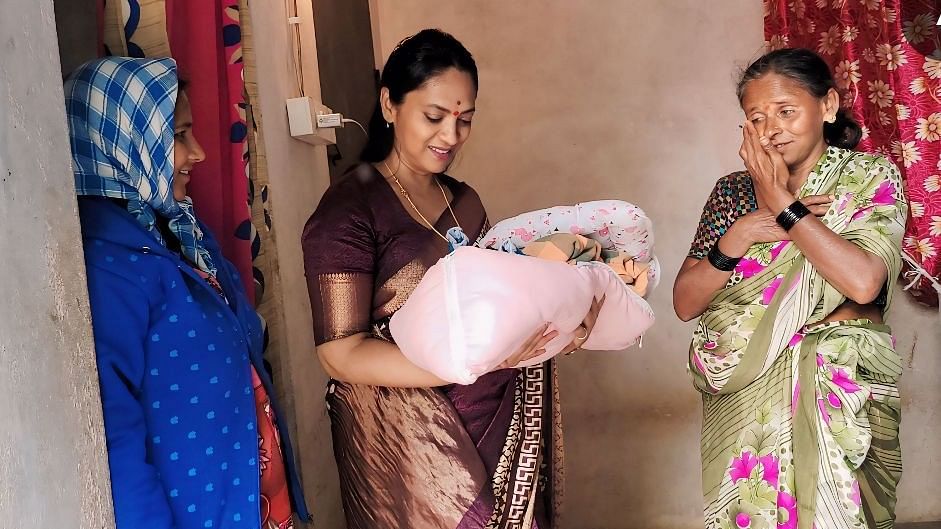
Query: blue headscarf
x=120 y=113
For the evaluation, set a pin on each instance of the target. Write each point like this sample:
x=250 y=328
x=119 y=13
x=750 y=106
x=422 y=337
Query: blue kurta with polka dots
x=174 y=366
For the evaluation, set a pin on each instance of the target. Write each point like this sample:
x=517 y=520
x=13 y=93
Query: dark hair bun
x=844 y=132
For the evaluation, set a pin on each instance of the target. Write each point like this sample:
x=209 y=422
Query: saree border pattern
x=514 y=491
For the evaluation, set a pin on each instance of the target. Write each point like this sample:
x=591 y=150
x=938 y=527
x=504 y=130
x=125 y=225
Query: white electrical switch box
x=303 y=115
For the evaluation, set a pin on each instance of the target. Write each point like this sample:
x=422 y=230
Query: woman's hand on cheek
x=767 y=168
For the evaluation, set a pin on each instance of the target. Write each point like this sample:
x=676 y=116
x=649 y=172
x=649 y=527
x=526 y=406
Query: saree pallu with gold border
x=800 y=426
x=482 y=456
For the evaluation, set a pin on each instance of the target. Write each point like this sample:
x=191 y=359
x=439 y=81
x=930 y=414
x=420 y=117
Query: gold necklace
x=409 y=200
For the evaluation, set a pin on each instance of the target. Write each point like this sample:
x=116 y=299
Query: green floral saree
x=800 y=426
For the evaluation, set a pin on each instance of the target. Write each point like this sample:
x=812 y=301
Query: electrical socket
x=303 y=117
x=329 y=121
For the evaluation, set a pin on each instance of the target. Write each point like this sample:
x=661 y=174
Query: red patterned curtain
x=206 y=40
x=886 y=57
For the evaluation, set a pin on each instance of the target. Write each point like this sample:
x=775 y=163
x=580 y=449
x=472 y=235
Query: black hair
x=811 y=71
x=412 y=63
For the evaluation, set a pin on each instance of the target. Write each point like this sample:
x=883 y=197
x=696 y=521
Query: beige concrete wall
x=53 y=465
x=635 y=100
x=298 y=177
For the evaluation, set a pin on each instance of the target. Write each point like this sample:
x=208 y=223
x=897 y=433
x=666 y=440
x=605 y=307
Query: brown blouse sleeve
x=732 y=197
x=339 y=261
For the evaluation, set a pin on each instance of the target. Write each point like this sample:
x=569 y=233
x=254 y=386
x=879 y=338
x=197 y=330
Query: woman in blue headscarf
x=192 y=439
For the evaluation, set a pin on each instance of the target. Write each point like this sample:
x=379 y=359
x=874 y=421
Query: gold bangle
x=582 y=338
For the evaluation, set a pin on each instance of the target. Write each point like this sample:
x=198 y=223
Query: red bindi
x=456 y=113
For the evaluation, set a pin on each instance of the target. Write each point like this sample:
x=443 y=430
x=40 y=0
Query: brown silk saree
x=486 y=455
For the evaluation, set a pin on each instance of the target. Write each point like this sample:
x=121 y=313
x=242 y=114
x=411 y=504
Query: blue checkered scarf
x=120 y=114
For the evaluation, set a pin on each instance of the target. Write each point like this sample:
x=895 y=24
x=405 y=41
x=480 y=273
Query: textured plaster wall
x=53 y=467
x=298 y=176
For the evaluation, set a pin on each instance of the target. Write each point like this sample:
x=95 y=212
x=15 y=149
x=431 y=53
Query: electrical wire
x=348 y=120
x=296 y=55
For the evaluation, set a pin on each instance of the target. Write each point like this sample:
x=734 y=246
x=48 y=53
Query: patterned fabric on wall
x=268 y=300
x=886 y=56
x=205 y=39
x=265 y=259
x=135 y=28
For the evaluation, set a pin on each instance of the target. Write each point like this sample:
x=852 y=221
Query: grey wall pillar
x=53 y=468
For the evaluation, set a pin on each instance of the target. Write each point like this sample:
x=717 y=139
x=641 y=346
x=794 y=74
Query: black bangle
x=791 y=215
x=720 y=261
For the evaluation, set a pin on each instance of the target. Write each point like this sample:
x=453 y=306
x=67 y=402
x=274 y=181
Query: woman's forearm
x=361 y=359
x=856 y=273
x=695 y=286
x=698 y=281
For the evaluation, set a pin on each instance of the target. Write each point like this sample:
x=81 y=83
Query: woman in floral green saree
x=790 y=272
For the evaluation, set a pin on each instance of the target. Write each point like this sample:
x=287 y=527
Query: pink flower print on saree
x=749 y=267
x=843 y=380
x=796 y=339
x=763 y=256
x=885 y=194
x=778 y=248
x=769 y=467
x=743 y=466
x=787 y=511
x=824 y=413
x=768 y=294
x=855 y=495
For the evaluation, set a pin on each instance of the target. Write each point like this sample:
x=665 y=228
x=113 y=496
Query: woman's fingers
x=746 y=151
x=819 y=211
x=531 y=348
x=532 y=354
x=742 y=150
x=778 y=165
x=813 y=200
x=757 y=158
x=818 y=204
x=593 y=313
x=588 y=324
x=513 y=362
x=535 y=337
x=548 y=337
x=759 y=145
x=525 y=356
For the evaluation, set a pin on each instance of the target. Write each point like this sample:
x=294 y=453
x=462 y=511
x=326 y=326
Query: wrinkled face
x=789 y=115
x=186 y=150
x=433 y=121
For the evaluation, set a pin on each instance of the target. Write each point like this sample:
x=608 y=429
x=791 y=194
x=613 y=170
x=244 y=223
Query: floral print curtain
x=886 y=56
